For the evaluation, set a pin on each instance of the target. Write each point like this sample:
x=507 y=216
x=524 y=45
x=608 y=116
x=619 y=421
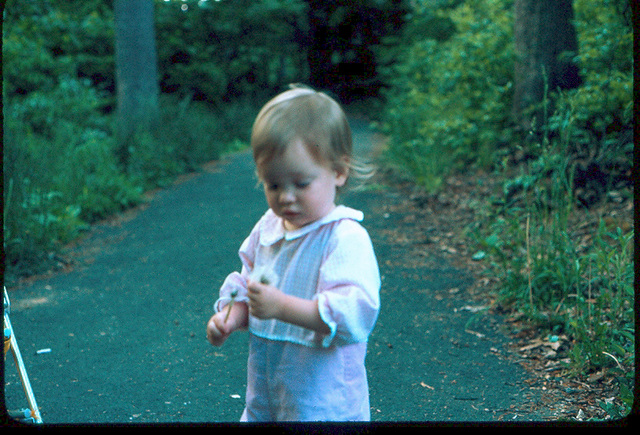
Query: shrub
x=448 y=107
x=211 y=51
x=60 y=172
x=450 y=93
x=549 y=270
x=597 y=118
x=187 y=135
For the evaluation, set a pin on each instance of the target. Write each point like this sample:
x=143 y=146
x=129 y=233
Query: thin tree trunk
x=136 y=71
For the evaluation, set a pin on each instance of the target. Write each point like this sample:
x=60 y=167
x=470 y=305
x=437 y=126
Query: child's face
x=298 y=188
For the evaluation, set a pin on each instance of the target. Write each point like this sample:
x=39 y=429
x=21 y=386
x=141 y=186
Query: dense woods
x=104 y=100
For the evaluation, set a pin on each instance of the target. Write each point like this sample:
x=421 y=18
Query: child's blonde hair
x=312 y=117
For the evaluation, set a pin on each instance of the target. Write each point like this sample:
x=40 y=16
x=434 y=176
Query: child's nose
x=287 y=196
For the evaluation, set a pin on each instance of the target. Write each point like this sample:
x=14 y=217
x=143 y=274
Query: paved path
x=126 y=327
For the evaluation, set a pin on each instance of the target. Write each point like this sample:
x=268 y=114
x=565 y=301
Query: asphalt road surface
x=126 y=325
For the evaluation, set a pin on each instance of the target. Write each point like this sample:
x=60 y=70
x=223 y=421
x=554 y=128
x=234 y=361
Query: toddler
x=308 y=290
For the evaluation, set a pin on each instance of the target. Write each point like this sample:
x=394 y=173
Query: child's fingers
x=214 y=334
x=217 y=323
x=253 y=287
x=253 y=301
x=229 y=306
x=256 y=286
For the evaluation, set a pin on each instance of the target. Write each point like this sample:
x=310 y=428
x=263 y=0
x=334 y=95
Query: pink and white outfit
x=294 y=373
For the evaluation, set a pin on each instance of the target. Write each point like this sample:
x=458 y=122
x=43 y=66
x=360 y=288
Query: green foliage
x=210 y=50
x=597 y=118
x=47 y=40
x=448 y=108
x=543 y=264
x=450 y=94
x=449 y=100
x=60 y=171
x=35 y=222
x=187 y=135
x=564 y=282
x=64 y=174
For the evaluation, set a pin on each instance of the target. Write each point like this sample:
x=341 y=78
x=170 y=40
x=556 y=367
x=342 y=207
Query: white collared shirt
x=330 y=260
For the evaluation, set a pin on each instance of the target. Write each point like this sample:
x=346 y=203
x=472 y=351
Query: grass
x=569 y=270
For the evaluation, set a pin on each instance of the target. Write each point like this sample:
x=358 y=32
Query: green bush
x=49 y=40
x=63 y=173
x=591 y=127
x=60 y=171
x=450 y=93
x=211 y=51
x=449 y=97
x=221 y=50
x=447 y=108
x=596 y=119
x=548 y=270
x=187 y=135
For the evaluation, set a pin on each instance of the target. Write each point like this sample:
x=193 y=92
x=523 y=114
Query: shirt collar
x=272 y=228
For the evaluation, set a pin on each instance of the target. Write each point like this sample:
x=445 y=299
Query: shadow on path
x=126 y=327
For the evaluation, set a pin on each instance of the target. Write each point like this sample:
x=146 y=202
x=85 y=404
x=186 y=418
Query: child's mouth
x=290 y=215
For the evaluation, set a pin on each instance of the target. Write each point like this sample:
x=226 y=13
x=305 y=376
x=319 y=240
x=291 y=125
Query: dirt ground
x=125 y=319
x=434 y=223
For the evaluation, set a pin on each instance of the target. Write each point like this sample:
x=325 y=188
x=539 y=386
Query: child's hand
x=268 y=302
x=219 y=327
x=265 y=301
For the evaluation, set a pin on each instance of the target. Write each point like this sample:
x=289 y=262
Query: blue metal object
x=33 y=413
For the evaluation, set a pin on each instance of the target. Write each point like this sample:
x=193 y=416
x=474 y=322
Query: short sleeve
x=349 y=285
x=234 y=282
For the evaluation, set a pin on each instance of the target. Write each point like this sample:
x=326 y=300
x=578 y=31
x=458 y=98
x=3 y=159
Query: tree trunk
x=545 y=43
x=136 y=71
x=320 y=47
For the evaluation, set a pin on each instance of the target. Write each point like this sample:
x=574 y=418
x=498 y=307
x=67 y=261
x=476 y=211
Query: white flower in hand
x=264 y=275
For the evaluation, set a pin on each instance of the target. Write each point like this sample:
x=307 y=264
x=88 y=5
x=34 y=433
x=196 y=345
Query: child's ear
x=342 y=171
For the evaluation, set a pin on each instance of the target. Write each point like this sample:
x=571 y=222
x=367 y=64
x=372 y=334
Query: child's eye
x=272 y=186
x=302 y=184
